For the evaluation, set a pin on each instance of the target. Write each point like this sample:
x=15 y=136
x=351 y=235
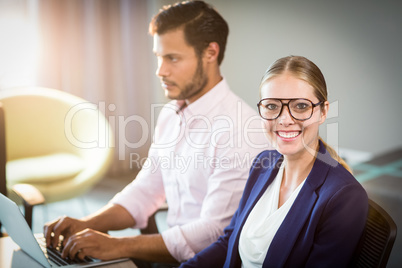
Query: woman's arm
x=340 y=228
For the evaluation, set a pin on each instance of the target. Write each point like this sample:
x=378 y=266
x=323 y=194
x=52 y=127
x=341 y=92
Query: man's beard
x=198 y=83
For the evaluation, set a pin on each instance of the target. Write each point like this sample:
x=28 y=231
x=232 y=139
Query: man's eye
x=173 y=59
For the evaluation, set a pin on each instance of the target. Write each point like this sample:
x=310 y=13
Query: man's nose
x=162 y=70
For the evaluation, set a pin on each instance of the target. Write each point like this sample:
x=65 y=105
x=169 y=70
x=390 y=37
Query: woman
x=300 y=207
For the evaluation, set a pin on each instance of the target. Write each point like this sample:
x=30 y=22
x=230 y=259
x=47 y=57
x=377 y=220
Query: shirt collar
x=206 y=102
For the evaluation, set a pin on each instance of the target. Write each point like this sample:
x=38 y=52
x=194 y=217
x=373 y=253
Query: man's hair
x=200 y=22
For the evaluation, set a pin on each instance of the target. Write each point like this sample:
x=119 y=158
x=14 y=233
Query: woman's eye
x=302 y=106
x=271 y=106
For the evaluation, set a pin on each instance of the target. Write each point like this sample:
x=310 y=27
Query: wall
x=357 y=45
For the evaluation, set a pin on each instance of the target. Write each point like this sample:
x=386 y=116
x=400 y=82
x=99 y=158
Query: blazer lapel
x=286 y=236
x=289 y=230
x=260 y=187
x=261 y=184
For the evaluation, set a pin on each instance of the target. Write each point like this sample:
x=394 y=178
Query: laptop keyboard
x=54 y=254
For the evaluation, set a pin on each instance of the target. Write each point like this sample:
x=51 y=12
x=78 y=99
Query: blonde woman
x=301 y=206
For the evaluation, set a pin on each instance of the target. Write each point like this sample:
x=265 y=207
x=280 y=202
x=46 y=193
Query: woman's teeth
x=288 y=135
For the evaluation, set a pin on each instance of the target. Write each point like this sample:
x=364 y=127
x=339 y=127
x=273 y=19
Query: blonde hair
x=304 y=69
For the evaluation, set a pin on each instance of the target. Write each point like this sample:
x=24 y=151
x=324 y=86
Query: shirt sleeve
x=225 y=188
x=145 y=194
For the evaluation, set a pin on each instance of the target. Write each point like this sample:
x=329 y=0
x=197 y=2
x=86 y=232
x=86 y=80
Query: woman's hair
x=304 y=69
x=201 y=24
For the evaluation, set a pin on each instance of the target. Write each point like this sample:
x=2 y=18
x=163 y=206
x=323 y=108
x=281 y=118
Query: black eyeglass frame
x=313 y=105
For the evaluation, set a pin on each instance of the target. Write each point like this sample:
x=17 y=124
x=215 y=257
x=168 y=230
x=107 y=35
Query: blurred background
x=100 y=50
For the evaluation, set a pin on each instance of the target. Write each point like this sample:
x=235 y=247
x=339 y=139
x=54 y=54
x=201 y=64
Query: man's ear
x=211 y=52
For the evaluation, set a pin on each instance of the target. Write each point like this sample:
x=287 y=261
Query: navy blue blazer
x=321 y=229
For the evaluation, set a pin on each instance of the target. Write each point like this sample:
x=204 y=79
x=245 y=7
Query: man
x=199 y=160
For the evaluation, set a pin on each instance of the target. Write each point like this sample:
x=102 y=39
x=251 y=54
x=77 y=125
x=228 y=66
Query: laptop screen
x=18 y=229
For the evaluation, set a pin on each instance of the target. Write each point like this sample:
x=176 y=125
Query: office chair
x=377 y=240
x=152 y=227
x=3 y=187
x=46 y=156
x=59 y=143
x=29 y=195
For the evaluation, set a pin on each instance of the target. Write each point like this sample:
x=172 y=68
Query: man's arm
x=148 y=248
x=110 y=217
x=87 y=237
x=102 y=246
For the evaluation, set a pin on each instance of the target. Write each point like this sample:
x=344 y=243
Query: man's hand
x=87 y=237
x=64 y=226
x=93 y=244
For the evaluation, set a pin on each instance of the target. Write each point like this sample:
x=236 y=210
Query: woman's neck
x=296 y=170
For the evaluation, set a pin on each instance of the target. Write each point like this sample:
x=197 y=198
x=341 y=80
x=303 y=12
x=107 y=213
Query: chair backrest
x=43 y=122
x=41 y=114
x=377 y=240
x=3 y=184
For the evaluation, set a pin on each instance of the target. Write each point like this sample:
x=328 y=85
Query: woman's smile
x=288 y=135
x=291 y=136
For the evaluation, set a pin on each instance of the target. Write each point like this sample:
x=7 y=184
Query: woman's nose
x=285 y=117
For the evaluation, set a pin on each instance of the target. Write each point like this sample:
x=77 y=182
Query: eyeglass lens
x=300 y=109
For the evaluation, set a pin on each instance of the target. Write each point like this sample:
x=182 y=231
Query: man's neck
x=212 y=82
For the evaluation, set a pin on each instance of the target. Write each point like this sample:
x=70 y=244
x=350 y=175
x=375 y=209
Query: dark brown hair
x=201 y=24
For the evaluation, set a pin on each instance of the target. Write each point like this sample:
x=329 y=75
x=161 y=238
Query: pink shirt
x=199 y=163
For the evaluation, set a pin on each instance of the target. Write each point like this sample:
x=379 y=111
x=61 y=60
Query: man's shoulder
x=234 y=104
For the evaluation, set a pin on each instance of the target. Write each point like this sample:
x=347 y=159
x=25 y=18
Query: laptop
x=17 y=228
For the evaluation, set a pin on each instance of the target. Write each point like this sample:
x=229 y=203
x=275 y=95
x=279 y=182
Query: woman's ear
x=211 y=52
x=324 y=112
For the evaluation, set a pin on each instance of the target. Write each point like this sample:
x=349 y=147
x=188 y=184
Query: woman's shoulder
x=336 y=174
x=266 y=159
x=342 y=174
x=269 y=154
x=340 y=180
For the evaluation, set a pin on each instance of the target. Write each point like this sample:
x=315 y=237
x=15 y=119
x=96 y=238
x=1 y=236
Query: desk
x=382 y=179
x=11 y=256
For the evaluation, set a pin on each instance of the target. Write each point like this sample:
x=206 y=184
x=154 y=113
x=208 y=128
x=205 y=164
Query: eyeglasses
x=299 y=109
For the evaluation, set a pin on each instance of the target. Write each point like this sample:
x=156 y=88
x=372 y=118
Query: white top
x=263 y=223
x=199 y=162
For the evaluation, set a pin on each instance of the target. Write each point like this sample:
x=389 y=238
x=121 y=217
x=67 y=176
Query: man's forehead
x=171 y=42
